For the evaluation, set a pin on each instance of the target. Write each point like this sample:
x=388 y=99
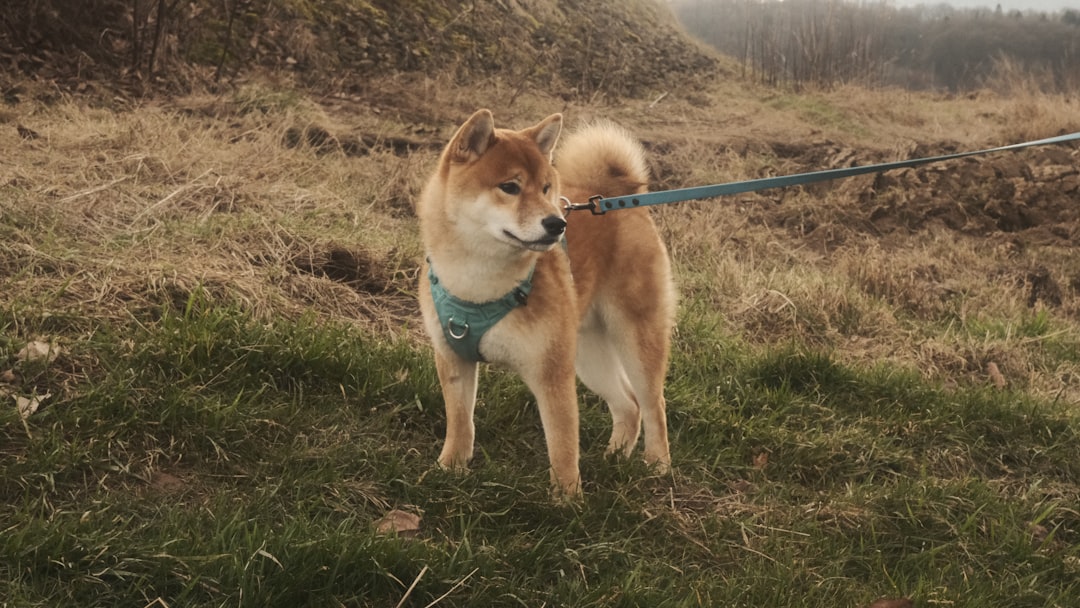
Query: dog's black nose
x=553 y=224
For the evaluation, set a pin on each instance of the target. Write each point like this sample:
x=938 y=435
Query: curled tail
x=604 y=157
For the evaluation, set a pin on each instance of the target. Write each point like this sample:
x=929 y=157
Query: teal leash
x=599 y=205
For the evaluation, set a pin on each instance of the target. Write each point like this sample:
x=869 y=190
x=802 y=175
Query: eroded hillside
x=577 y=49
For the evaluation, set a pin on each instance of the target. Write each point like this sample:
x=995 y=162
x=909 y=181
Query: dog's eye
x=510 y=187
x=546 y=188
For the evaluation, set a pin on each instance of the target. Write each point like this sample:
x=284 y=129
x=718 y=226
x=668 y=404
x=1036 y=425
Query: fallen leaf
x=38 y=351
x=995 y=375
x=402 y=523
x=7 y=376
x=1039 y=533
x=900 y=602
x=27 y=406
x=167 y=482
x=761 y=460
x=741 y=486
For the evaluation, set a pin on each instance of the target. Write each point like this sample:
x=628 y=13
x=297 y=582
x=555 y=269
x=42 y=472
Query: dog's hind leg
x=599 y=367
x=458 y=380
x=636 y=345
x=644 y=355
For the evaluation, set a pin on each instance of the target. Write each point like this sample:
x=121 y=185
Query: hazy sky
x=1008 y=5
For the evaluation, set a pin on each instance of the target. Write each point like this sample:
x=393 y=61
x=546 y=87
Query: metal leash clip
x=593 y=205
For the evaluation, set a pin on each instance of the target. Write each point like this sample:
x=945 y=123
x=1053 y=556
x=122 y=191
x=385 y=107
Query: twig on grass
x=409 y=591
x=452 y=589
x=93 y=190
x=168 y=198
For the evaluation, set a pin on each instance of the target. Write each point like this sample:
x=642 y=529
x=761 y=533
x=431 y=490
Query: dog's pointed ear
x=473 y=138
x=546 y=133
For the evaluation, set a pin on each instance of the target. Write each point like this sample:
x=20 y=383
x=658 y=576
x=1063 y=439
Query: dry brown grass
x=110 y=214
x=811 y=267
x=115 y=213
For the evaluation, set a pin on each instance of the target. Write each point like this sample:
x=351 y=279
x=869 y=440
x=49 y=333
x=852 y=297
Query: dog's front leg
x=458 y=379
x=556 y=398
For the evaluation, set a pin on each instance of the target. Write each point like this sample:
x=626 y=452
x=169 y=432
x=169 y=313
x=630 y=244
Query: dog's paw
x=566 y=490
x=660 y=465
x=567 y=495
x=453 y=464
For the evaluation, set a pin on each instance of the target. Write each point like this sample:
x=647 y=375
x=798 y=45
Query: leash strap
x=599 y=205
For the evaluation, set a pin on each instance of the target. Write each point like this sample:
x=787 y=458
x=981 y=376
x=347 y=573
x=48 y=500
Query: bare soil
x=1016 y=201
x=1030 y=195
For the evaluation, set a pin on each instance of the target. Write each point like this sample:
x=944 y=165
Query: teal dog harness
x=465 y=323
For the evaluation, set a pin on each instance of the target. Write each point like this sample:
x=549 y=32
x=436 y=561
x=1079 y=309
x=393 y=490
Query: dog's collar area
x=464 y=323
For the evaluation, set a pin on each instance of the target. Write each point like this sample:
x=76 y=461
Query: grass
x=218 y=459
x=816 y=110
x=242 y=393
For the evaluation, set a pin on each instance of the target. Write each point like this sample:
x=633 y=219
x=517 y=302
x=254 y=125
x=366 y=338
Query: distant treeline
x=826 y=42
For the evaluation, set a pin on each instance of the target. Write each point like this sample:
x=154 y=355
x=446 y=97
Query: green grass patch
x=818 y=112
x=1034 y=324
x=210 y=458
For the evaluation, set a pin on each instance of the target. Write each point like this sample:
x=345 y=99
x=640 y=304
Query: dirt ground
x=1016 y=200
x=1029 y=195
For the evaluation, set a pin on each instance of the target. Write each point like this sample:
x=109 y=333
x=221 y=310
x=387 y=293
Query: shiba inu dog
x=499 y=287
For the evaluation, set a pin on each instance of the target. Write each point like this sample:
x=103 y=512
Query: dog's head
x=500 y=184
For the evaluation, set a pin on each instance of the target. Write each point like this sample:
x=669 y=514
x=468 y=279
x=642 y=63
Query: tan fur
x=604 y=308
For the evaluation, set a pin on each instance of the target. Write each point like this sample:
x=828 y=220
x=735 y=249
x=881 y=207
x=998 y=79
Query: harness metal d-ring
x=453 y=334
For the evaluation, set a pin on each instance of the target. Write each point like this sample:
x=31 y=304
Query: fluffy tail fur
x=604 y=157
